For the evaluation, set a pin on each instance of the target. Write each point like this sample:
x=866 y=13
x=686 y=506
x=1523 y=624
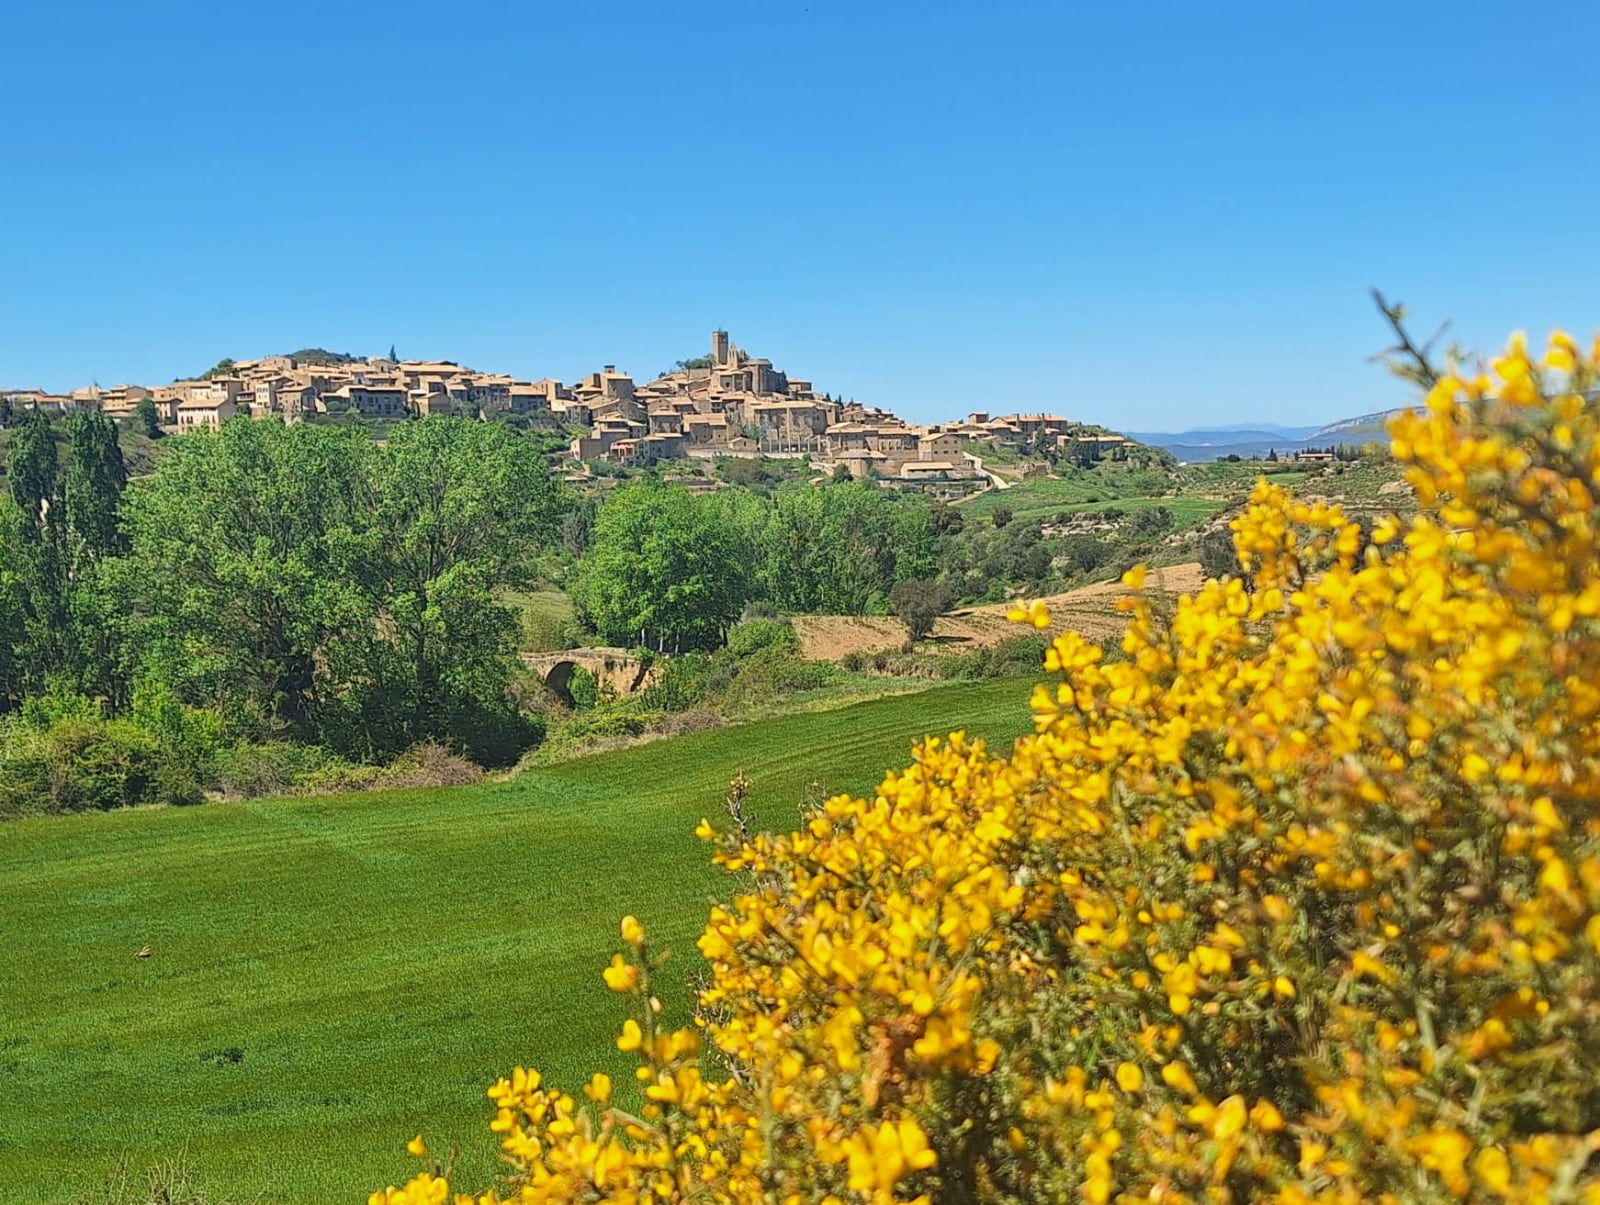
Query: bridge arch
x=620 y=670
x=558 y=680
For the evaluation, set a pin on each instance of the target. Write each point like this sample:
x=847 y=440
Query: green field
x=328 y=976
x=1197 y=492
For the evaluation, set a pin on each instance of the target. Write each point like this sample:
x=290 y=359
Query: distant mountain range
x=1213 y=443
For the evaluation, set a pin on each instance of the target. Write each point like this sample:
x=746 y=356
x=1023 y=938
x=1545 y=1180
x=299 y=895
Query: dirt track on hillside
x=1089 y=610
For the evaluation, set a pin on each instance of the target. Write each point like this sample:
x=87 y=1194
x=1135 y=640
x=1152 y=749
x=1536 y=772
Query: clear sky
x=1150 y=215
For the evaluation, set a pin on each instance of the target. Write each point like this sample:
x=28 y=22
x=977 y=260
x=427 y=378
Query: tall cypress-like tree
x=94 y=480
x=38 y=544
x=96 y=477
x=62 y=525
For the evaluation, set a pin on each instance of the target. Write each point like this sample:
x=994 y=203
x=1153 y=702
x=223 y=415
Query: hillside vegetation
x=325 y=973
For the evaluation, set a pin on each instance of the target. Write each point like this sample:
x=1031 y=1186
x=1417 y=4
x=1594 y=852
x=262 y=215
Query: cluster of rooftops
x=726 y=403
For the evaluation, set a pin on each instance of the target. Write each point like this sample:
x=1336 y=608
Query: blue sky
x=1150 y=215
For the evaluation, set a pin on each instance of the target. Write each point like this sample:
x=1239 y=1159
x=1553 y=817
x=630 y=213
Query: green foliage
x=247 y=553
x=461 y=508
x=59 y=527
x=665 y=570
x=74 y=760
x=248 y=771
x=755 y=634
x=583 y=688
x=222 y=368
x=683 y=683
x=1012 y=657
x=840 y=549
x=758 y=472
x=577 y=527
x=314 y=586
x=149 y=418
x=771 y=673
x=548 y=622
x=918 y=603
x=318 y=357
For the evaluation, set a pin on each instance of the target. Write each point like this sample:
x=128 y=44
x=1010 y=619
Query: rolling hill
x=1212 y=443
x=327 y=976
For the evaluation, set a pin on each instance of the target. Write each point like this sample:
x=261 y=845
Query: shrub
x=681 y=683
x=274 y=768
x=1011 y=657
x=686 y=723
x=583 y=688
x=428 y=764
x=918 y=604
x=62 y=755
x=771 y=672
x=754 y=635
x=1217 y=556
x=1298 y=902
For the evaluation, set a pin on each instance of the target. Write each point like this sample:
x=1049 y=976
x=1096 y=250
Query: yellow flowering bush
x=1298 y=901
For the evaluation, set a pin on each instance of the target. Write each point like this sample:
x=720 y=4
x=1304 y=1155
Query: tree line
x=669 y=570
x=302 y=582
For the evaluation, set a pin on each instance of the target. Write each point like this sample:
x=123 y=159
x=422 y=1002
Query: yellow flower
x=632 y=1037
x=1265 y=1117
x=1493 y=1170
x=632 y=931
x=620 y=976
x=1177 y=1076
x=1129 y=1078
x=417 y=1147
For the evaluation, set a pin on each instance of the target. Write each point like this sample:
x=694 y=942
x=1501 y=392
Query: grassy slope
x=330 y=975
x=1201 y=491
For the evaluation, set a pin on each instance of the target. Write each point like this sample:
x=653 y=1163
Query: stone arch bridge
x=623 y=671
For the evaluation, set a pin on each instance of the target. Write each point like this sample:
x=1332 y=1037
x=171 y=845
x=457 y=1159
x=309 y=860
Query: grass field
x=1199 y=491
x=328 y=976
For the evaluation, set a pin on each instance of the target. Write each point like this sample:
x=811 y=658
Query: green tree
x=841 y=548
x=149 y=418
x=60 y=525
x=577 y=526
x=13 y=618
x=96 y=476
x=37 y=560
x=95 y=479
x=664 y=570
x=245 y=551
x=462 y=509
x=917 y=604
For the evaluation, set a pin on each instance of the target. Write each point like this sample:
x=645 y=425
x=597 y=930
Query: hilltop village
x=727 y=403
